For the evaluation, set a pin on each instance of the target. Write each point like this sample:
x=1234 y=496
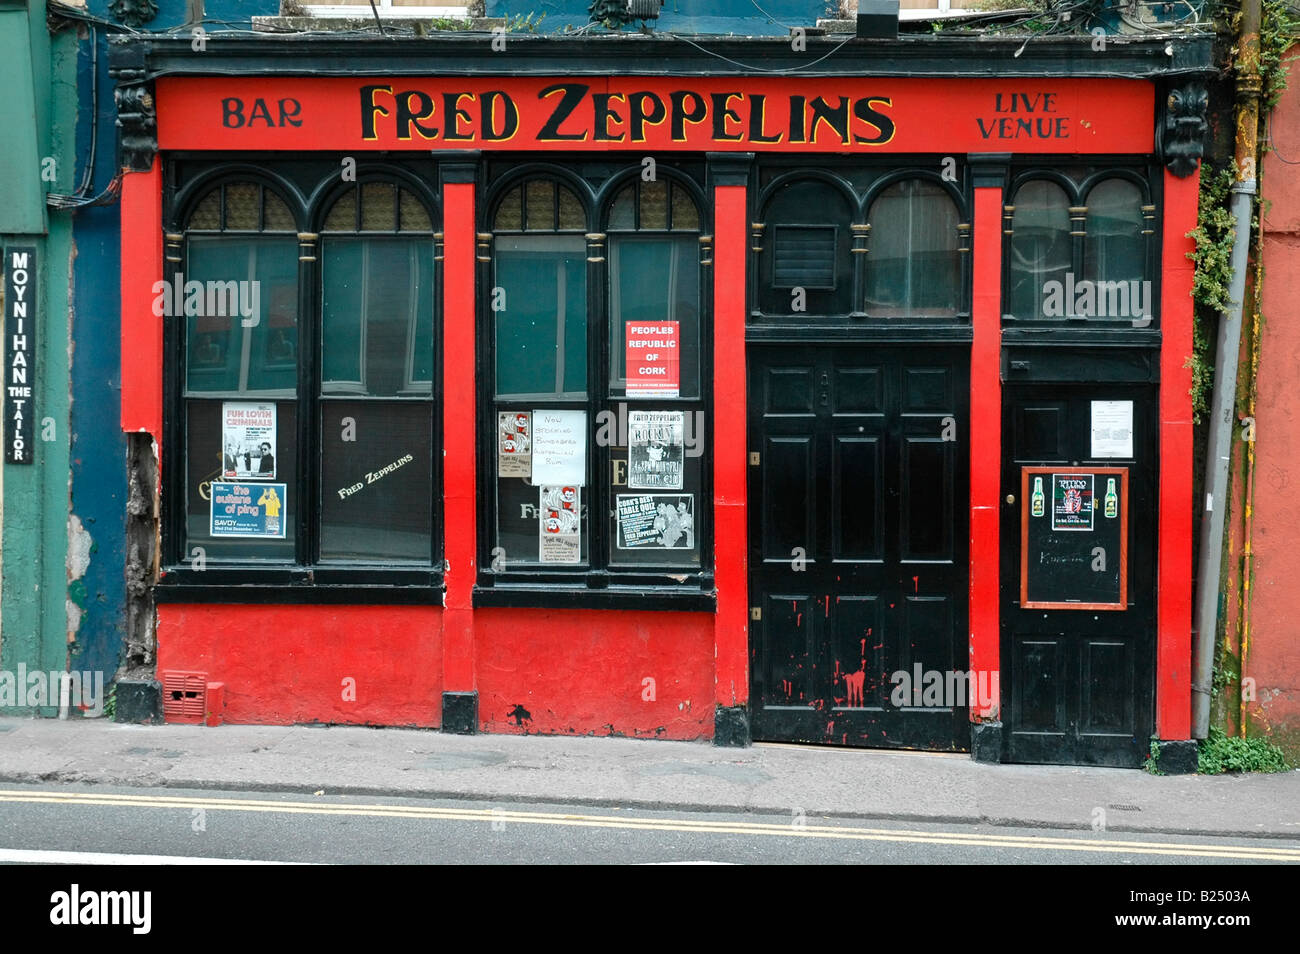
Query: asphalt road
x=96 y=825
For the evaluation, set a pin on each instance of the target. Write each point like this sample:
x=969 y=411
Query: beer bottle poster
x=1073 y=501
x=656 y=449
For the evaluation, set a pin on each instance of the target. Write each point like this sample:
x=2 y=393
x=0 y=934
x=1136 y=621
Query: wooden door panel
x=860 y=538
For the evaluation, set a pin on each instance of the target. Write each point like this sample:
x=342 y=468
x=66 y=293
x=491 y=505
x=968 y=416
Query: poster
x=1072 y=501
x=656 y=449
x=559 y=525
x=658 y=521
x=560 y=448
x=248 y=441
x=514 y=444
x=653 y=358
x=1112 y=428
x=247 y=510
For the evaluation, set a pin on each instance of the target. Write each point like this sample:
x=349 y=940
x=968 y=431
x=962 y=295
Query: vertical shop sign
x=20 y=352
x=653 y=365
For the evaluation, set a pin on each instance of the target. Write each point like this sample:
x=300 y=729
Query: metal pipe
x=1210 y=565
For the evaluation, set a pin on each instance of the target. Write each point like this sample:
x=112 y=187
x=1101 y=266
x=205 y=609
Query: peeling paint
x=79 y=546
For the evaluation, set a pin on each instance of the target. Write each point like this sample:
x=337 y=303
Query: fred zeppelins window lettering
x=579 y=447
x=376 y=407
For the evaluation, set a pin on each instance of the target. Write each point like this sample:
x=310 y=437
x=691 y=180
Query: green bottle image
x=1112 y=501
x=1036 y=501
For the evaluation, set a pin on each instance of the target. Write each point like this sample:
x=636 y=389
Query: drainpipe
x=1205 y=626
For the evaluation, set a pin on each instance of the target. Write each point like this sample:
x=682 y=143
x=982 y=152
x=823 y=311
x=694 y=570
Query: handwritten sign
x=560 y=448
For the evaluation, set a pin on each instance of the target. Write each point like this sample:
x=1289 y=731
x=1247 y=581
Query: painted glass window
x=914 y=264
x=597 y=387
x=376 y=398
x=1040 y=248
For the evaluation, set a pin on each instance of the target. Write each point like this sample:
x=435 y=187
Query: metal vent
x=644 y=9
x=803 y=256
x=184 y=696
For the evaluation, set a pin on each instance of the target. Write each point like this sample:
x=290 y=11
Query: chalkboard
x=1074 y=538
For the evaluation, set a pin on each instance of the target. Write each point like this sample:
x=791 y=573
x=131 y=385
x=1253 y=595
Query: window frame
x=309 y=190
x=1078 y=184
x=857 y=184
x=598 y=582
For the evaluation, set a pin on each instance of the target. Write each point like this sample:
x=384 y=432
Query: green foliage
x=1224 y=753
x=1210 y=281
x=110 y=703
x=1153 y=759
x=1277 y=31
x=523 y=23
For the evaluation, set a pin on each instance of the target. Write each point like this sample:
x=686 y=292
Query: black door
x=1078 y=685
x=858 y=544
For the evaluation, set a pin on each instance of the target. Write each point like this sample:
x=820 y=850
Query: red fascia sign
x=639 y=113
x=653 y=365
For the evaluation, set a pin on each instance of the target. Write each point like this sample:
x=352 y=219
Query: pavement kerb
x=218 y=785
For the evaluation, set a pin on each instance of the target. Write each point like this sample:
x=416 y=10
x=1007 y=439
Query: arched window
x=1040 y=247
x=914 y=262
x=1114 y=248
x=237 y=288
x=595 y=345
x=539 y=293
x=376 y=407
x=805 y=237
x=654 y=276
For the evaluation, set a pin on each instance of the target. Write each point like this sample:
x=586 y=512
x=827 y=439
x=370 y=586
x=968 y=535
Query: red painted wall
x=731 y=531
x=287 y=664
x=1174 y=545
x=583 y=672
x=985 y=437
x=1273 y=602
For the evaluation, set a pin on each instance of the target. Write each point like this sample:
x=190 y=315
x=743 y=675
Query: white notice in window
x=560 y=448
x=1112 y=429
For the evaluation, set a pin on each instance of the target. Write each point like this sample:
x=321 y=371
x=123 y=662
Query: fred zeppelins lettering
x=576 y=112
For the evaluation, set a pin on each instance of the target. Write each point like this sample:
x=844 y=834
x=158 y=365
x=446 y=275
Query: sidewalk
x=781 y=779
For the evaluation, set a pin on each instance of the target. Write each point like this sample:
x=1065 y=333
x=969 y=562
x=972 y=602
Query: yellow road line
x=788 y=830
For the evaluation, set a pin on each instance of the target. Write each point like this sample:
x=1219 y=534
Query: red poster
x=653 y=365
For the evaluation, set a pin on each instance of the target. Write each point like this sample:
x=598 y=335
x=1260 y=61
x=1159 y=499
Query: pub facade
x=604 y=385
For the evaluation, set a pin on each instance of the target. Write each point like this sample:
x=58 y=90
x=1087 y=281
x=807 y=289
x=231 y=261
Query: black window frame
x=309 y=186
x=597 y=583
x=1077 y=182
x=858 y=183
